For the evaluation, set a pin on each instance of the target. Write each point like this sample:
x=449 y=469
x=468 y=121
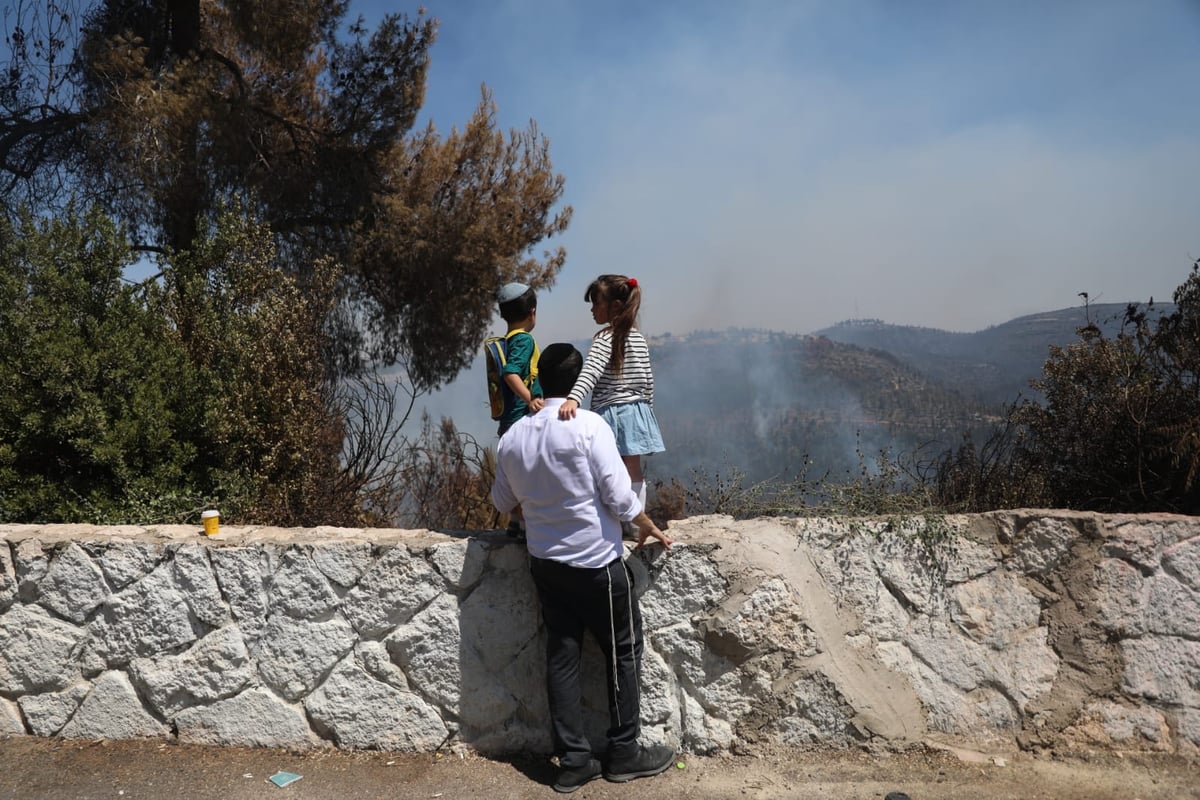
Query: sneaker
x=571 y=779
x=645 y=762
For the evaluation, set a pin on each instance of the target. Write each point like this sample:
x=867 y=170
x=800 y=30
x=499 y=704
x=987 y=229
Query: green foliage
x=94 y=386
x=1119 y=430
x=145 y=404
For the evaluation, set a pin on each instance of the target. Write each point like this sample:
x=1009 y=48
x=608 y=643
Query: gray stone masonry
x=1026 y=629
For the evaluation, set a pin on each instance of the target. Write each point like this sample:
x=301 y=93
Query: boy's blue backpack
x=500 y=397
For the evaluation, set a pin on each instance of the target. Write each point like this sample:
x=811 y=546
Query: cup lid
x=210 y=513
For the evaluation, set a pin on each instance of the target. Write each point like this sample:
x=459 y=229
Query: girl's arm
x=650 y=378
x=593 y=367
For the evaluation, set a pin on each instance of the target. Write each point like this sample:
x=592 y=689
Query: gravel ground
x=36 y=768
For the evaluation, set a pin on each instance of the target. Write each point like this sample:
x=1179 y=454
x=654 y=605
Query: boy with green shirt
x=518 y=308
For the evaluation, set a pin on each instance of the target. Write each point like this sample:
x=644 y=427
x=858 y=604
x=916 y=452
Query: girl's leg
x=633 y=464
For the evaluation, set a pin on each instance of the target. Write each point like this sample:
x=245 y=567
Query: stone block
x=112 y=710
x=73 y=585
x=767 y=619
x=1172 y=609
x=37 y=652
x=242 y=574
x=213 y=668
x=30 y=561
x=10 y=719
x=428 y=649
x=8 y=578
x=1120 y=597
x=390 y=592
x=1182 y=561
x=299 y=588
x=1139 y=541
x=342 y=562
x=500 y=618
x=686 y=583
x=124 y=562
x=254 y=718
x=1129 y=727
x=1162 y=668
x=47 y=713
x=460 y=562
x=357 y=711
x=1187 y=726
x=194 y=575
x=1042 y=544
x=294 y=654
x=992 y=608
x=147 y=617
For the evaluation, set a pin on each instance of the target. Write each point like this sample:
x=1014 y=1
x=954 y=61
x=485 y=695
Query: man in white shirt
x=574 y=492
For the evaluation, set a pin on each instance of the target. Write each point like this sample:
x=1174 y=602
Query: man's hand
x=648 y=530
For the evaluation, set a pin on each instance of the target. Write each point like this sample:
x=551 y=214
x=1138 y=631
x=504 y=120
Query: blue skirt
x=635 y=427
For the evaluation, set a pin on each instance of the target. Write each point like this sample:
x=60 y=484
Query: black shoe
x=571 y=779
x=645 y=762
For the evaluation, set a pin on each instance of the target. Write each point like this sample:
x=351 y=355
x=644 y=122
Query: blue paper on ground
x=282 y=779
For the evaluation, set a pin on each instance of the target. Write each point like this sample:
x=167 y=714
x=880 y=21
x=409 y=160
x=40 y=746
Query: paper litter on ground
x=282 y=779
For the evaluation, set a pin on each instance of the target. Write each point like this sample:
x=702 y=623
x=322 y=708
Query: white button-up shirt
x=570 y=482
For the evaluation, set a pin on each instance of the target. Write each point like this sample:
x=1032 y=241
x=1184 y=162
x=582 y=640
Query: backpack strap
x=533 y=366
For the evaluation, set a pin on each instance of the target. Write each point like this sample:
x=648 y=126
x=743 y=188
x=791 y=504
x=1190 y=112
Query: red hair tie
x=632 y=282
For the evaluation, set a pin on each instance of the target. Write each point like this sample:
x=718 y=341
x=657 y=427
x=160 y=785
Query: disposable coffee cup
x=212 y=522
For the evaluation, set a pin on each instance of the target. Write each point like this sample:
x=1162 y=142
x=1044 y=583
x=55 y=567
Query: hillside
x=995 y=364
x=767 y=402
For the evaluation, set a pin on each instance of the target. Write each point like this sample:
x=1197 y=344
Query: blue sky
x=791 y=164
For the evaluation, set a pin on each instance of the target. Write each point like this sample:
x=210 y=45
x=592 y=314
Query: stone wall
x=1026 y=628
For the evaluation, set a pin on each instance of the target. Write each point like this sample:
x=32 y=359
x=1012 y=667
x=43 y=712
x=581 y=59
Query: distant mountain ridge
x=995 y=364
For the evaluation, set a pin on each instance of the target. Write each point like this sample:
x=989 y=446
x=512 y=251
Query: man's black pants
x=575 y=599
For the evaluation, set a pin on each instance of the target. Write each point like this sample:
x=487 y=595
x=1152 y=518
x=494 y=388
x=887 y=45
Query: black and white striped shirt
x=636 y=381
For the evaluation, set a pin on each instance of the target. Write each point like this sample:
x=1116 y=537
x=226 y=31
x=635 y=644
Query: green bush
x=92 y=381
x=1119 y=430
x=142 y=404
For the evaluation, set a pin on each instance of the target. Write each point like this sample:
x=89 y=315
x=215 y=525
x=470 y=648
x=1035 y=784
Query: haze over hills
x=769 y=402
